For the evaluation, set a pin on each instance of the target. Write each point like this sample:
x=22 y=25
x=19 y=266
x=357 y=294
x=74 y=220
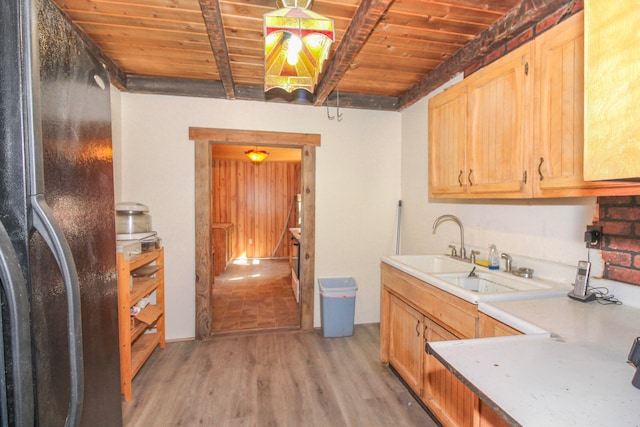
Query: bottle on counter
x=494 y=258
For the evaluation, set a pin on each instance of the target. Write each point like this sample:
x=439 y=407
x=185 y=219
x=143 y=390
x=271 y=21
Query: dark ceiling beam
x=175 y=87
x=347 y=100
x=215 y=30
x=515 y=22
x=214 y=89
x=362 y=25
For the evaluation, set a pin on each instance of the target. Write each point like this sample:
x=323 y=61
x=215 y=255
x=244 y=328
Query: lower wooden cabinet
x=414 y=313
x=406 y=347
x=446 y=396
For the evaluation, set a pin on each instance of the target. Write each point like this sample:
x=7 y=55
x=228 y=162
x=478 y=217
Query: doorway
x=254 y=207
x=203 y=138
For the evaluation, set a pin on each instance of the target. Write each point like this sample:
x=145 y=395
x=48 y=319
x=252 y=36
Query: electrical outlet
x=593 y=237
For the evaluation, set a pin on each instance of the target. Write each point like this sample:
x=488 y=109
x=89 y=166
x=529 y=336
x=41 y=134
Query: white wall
x=357 y=183
x=550 y=230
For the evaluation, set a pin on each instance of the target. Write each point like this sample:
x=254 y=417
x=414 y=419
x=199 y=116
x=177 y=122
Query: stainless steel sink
x=489 y=283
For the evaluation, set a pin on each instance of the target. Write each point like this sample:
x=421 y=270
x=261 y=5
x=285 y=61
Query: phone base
x=590 y=296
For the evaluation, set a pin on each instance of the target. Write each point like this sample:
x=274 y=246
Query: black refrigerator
x=58 y=312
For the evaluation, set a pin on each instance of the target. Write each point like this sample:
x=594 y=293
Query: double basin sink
x=456 y=277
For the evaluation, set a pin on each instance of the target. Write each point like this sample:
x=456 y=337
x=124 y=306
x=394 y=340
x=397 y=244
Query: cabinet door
x=559 y=95
x=499 y=127
x=446 y=396
x=612 y=123
x=559 y=108
x=490 y=327
x=447 y=141
x=405 y=342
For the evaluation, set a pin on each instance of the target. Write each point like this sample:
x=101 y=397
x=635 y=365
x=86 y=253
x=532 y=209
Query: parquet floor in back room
x=255 y=294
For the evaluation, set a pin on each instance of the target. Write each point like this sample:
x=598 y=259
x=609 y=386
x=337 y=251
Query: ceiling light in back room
x=256 y=156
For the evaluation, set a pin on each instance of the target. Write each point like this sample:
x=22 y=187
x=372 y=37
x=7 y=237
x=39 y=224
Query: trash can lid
x=337 y=284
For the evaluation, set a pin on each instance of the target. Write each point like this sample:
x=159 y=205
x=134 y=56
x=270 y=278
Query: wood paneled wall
x=256 y=199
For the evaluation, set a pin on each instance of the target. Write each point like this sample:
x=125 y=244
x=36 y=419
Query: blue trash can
x=337 y=306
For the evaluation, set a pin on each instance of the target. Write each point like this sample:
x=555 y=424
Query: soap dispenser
x=494 y=259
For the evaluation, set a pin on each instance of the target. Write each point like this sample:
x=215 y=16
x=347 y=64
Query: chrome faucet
x=447 y=217
x=507 y=262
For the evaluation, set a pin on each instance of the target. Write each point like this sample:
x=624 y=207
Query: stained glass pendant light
x=297 y=42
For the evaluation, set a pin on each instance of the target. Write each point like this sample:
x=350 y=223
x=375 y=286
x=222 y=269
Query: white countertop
x=571 y=371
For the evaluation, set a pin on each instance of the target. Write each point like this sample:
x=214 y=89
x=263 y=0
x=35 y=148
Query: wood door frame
x=203 y=139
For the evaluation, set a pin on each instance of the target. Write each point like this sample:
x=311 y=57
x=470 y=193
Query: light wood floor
x=284 y=378
x=254 y=295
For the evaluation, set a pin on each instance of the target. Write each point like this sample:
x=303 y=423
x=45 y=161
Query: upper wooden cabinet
x=525 y=123
x=498 y=131
x=559 y=116
x=447 y=141
x=478 y=132
x=612 y=126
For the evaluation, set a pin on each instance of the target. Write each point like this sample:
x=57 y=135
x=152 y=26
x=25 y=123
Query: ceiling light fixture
x=256 y=156
x=297 y=42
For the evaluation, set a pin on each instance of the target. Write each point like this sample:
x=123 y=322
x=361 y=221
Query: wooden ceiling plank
x=113 y=44
x=146 y=10
x=447 y=11
x=398 y=64
x=117 y=76
x=428 y=22
x=145 y=34
x=362 y=25
x=167 y=4
x=424 y=34
x=91 y=18
x=215 y=30
x=501 y=6
x=142 y=57
x=523 y=16
x=407 y=50
x=444 y=50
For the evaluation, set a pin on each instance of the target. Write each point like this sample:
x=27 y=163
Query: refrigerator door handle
x=15 y=290
x=46 y=225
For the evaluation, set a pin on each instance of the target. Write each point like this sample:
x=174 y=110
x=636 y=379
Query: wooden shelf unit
x=138 y=339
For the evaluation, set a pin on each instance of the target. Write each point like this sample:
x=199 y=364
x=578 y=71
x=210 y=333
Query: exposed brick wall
x=620 y=221
x=524 y=36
